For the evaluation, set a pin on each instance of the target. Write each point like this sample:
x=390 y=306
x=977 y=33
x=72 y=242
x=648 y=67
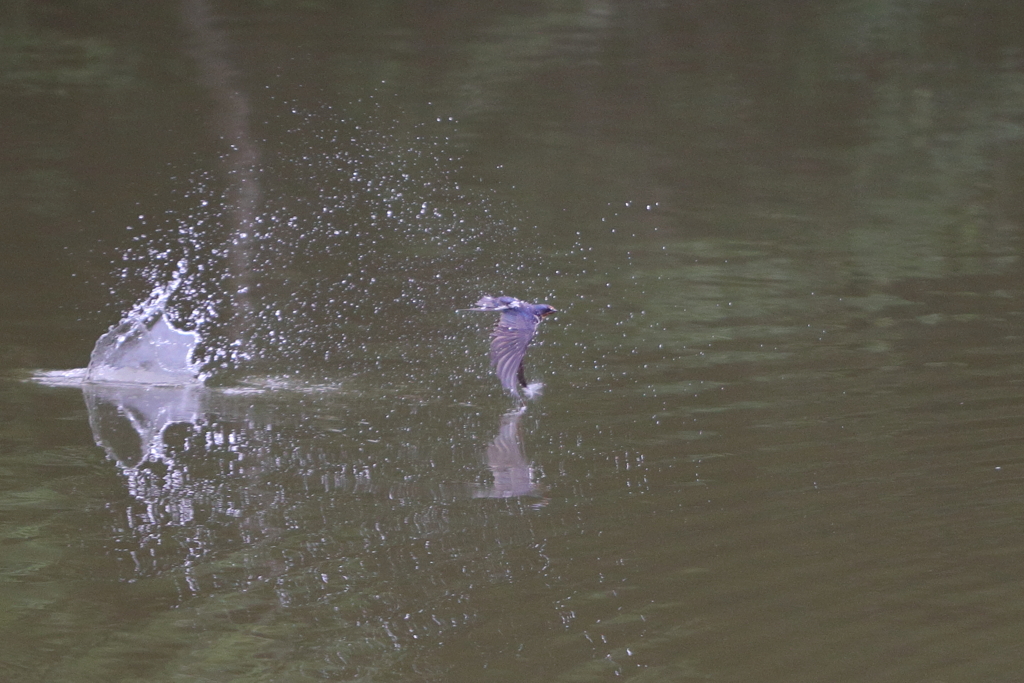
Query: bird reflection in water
x=512 y=472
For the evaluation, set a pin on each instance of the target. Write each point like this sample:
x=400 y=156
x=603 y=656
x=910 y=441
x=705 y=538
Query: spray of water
x=367 y=237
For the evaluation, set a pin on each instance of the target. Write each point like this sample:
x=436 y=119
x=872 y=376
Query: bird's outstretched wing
x=495 y=303
x=509 y=340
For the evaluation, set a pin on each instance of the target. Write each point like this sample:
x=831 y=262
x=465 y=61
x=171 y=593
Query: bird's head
x=543 y=310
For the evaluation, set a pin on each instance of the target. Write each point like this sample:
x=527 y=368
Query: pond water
x=780 y=434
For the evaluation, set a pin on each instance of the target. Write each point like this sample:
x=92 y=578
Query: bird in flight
x=511 y=336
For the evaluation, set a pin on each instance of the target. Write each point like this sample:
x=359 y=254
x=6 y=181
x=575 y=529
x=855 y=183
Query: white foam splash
x=533 y=390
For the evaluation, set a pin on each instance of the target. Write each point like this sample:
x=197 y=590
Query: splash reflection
x=371 y=511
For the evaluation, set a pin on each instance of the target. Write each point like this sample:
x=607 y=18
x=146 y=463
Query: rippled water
x=807 y=486
x=780 y=434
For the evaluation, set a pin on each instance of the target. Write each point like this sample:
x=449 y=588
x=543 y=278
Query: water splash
x=144 y=348
x=368 y=235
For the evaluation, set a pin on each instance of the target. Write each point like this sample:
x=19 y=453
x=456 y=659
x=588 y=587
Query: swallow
x=511 y=336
